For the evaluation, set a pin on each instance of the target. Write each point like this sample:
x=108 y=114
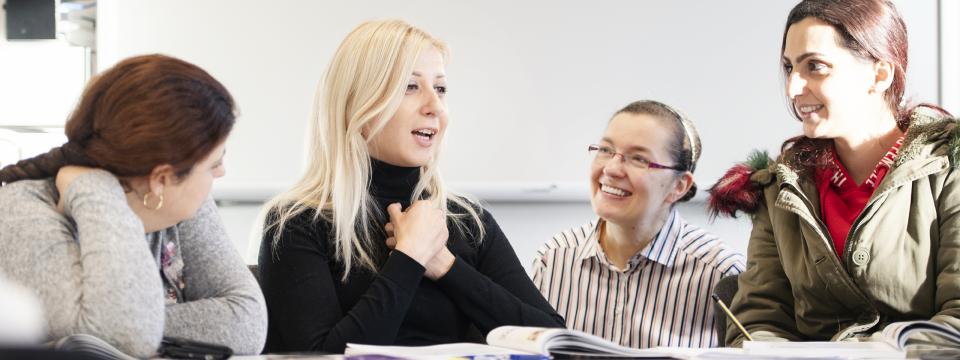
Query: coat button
x=860 y=257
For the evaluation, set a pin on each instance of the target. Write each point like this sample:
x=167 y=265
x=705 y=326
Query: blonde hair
x=365 y=83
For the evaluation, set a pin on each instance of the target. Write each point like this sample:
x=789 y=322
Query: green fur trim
x=928 y=127
x=953 y=145
x=758 y=160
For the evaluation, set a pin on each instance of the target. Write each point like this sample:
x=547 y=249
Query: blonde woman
x=369 y=246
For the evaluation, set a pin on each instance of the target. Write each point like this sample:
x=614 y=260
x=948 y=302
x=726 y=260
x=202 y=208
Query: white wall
x=950 y=55
x=522 y=74
x=531 y=84
x=40 y=81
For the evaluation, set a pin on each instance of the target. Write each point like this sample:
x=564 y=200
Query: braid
x=44 y=165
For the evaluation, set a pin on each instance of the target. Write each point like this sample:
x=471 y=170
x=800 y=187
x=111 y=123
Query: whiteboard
x=532 y=83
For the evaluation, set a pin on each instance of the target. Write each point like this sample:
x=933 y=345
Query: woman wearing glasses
x=370 y=247
x=856 y=224
x=639 y=275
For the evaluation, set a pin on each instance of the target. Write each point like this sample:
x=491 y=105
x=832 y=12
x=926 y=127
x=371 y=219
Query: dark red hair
x=143 y=112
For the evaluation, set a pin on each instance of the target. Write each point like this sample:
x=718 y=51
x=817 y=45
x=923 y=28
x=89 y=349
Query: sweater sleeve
x=498 y=291
x=223 y=303
x=91 y=269
x=305 y=311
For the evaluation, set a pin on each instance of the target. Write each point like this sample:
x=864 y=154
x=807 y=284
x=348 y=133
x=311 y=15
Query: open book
x=90 y=345
x=170 y=347
x=890 y=343
x=897 y=334
x=517 y=340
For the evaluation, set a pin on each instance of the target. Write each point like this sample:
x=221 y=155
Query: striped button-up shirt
x=662 y=298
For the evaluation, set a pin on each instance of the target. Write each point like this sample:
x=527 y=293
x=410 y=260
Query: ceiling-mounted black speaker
x=31 y=19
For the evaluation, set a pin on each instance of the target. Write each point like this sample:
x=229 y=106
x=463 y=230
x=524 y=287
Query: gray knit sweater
x=96 y=272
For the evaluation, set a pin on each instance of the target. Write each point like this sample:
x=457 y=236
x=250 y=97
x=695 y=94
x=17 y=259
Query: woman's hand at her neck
x=421 y=233
x=65 y=177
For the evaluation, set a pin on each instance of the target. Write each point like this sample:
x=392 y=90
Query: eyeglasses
x=604 y=153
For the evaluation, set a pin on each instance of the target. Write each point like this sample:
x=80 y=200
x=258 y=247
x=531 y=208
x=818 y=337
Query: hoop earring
x=147 y=196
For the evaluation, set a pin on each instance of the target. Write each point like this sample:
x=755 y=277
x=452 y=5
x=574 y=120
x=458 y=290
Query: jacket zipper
x=813 y=221
x=822 y=228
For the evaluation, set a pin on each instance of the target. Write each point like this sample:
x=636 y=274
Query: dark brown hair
x=872 y=30
x=685 y=147
x=143 y=112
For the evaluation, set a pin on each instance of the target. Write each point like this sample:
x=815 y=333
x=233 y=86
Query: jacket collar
x=923 y=152
x=929 y=134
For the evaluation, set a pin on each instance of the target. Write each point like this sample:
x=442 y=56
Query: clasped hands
x=420 y=232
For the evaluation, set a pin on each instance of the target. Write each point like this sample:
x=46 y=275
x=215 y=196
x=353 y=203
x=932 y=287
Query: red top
x=841 y=200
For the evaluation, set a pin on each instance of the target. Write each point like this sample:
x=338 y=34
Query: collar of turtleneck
x=391 y=183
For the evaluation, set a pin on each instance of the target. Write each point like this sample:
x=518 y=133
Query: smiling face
x=412 y=136
x=830 y=88
x=626 y=195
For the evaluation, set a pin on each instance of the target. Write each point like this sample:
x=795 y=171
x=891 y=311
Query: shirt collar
x=662 y=249
x=590 y=247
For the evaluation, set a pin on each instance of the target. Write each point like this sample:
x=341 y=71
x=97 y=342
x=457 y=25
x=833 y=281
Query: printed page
x=444 y=351
x=566 y=342
x=91 y=345
x=899 y=332
x=529 y=339
x=824 y=349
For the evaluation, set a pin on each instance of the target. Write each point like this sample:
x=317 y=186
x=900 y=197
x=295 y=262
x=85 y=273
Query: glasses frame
x=595 y=150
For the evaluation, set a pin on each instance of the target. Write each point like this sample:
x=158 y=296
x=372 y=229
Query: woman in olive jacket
x=857 y=224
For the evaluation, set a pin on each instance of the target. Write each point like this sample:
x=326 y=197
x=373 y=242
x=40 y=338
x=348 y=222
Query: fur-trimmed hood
x=740 y=189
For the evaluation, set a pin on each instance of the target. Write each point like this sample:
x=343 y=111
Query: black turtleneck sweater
x=311 y=309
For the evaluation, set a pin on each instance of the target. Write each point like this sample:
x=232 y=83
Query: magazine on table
x=890 y=344
x=170 y=347
x=896 y=334
x=518 y=342
x=91 y=345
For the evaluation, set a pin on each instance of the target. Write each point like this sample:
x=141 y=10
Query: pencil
x=730 y=315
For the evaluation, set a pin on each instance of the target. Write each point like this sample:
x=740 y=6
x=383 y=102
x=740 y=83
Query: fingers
x=395 y=212
x=389 y=229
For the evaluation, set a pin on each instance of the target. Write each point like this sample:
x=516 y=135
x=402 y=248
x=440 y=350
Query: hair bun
x=690 y=193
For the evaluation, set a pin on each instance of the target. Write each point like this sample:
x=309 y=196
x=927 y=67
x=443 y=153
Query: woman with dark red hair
x=857 y=224
x=115 y=231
